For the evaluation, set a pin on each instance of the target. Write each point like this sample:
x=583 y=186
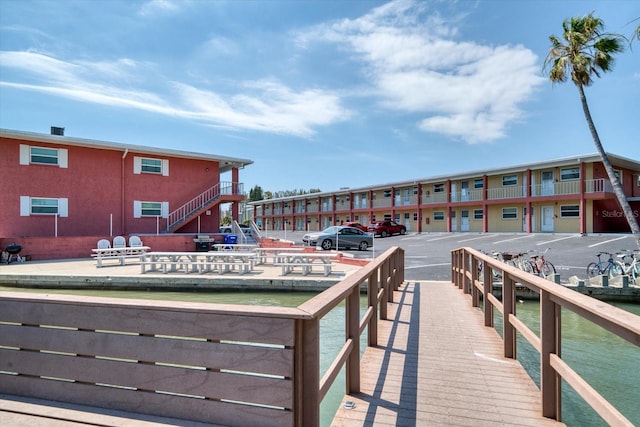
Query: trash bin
x=202 y=246
x=230 y=239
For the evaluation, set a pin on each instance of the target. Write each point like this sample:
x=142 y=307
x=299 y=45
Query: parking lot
x=427 y=255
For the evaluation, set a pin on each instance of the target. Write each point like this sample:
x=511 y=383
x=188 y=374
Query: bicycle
x=608 y=267
x=541 y=266
x=518 y=260
x=631 y=268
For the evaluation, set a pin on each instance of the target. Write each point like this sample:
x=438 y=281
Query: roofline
x=564 y=161
x=226 y=163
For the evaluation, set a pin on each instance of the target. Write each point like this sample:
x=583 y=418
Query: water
x=610 y=364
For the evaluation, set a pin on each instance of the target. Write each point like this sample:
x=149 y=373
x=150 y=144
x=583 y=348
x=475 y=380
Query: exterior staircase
x=198 y=204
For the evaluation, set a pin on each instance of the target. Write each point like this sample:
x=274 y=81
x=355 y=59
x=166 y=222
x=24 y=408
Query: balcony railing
x=505 y=193
x=434 y=198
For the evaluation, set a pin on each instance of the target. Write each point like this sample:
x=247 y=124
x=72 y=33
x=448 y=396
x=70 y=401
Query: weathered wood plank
x=185 y=408
x=264 y=360
x=214 y=385
x=150 y=320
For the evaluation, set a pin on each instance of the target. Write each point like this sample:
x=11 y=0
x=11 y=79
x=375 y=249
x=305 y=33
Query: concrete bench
x=184 y=266
x=120 y=257
x=225 y=267
x=288 y=267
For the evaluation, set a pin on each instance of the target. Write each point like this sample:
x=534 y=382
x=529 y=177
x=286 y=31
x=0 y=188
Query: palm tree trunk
x=615 y=182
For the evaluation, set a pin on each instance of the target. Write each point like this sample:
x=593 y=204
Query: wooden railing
x=465 y=264
x=221 y=364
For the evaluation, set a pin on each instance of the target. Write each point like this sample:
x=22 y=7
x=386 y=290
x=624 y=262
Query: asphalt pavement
x=428 y=255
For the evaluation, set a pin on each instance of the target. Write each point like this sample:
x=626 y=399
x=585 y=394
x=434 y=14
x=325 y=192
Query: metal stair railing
x=205 y=198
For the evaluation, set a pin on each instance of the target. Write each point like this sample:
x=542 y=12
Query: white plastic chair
x=119 y=242
x=134 y=241
x=104 y=244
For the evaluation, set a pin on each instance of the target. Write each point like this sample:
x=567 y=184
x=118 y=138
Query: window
x=438 y=216
x=415 y=216
x=154 y=209
x=43 y=156
x=387 y=193
x=438 y=188
x=478 y=214
x=415 y=190
x=569 y=174
x=43 y=206
x=618 y=175
x=151 y=166
x=638 y=183
x=509 y=213
x=509 y=180
x=569 y=211
x=478 y=183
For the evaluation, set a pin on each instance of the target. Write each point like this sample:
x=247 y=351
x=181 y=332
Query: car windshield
x=331 y=230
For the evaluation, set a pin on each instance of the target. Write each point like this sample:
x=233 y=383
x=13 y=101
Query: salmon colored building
x=569 y=195
x=60 y=186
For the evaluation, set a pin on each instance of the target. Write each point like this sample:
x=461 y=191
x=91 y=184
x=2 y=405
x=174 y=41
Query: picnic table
x=119 y=253
x=200 y=262
x=262 y=254
x=289 y=261
x=234 y=246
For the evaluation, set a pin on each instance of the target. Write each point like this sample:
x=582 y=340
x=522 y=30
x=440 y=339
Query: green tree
x=255 y=194
x=584 y=51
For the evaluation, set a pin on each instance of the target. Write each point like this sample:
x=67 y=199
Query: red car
x=386 y=228
x=356 y=225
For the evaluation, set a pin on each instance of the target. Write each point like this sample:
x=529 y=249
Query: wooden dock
x=437 y=364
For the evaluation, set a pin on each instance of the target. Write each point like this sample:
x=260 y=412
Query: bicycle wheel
x=547 y=269
x=526 y=266
x=615 y=270
x=593 y=269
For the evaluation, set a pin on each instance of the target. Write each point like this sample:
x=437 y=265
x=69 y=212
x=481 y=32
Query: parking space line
x=476 y=238
x=607 y=241
x=527 y=236
x=442 y=238
x=557 y=240
x=427 y=265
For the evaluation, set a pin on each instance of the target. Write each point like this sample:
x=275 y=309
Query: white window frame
x=436 y=216
x=478 y=183
x=26 y=156
x=509 y=180
x=26 y=206
x=138 y=167
x=569 y=211
x=510 y=215
x=137 y=209
x=574 y=174
x=478 y=214
x=438 y=188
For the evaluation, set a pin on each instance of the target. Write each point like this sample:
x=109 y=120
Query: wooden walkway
x=437 y=364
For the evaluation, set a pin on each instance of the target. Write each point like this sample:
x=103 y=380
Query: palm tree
x=585 y=51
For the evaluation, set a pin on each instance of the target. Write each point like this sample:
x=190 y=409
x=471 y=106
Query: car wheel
x=326 y=244
x=363 y=246
x=383 y=233
x=403 y=231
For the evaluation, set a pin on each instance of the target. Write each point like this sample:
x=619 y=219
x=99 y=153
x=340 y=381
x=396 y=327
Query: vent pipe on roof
x=57 y=131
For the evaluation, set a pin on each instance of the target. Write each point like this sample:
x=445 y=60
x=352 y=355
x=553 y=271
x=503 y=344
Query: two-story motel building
x=569 y=195
x=60 y=186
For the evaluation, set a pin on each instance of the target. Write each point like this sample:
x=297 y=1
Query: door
x=454 y=221
x=547 y=183
x=547 y=218
x=464 y=220
x=454 y=193
x=464 y=191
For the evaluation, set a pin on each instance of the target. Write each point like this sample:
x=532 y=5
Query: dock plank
x=436 y=364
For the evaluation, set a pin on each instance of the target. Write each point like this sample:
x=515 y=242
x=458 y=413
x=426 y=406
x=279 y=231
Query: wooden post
x=372 y=297
x=379 y=272
x=307 y=373
x=475 y=297
x=488 y=290
x=508 y=304
x=550 y=384
x=353 y=332
x=463 y=271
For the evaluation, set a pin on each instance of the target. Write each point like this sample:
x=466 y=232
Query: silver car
x=339 y=237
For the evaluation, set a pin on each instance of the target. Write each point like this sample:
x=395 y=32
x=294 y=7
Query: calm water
x=610 y=364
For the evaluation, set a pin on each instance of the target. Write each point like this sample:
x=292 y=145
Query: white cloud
x=265 y=106
x=153 y=7
x=463 y=89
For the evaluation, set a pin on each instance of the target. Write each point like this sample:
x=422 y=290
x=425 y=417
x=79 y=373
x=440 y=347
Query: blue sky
x=319 y=94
